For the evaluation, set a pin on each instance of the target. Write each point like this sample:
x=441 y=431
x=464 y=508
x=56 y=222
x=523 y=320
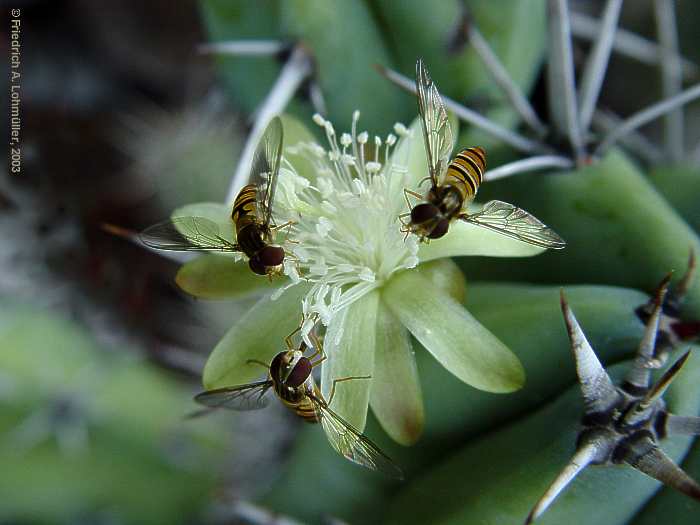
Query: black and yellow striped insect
x=290 y=377
x=453 y=184
x=251 y=216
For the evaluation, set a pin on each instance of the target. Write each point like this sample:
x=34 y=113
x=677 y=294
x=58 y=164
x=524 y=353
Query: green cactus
x=423 y=325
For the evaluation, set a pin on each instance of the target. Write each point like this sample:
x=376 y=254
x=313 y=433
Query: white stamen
x=346 y=230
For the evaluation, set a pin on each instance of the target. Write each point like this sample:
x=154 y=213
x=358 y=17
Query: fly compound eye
x=300 y=372
x=440 y=229
x=423 y=213
x=256 y=265
x=276 y=366
x=271 y=255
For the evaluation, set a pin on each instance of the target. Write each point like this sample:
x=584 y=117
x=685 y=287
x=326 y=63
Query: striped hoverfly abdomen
x=466 y=172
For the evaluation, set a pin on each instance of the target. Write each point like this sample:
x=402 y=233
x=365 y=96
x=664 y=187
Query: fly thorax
x=250 y=239
x=452 y=201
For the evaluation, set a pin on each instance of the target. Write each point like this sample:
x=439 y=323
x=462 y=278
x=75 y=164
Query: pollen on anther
x=345 y=139
x=373 y=167
x=318 y=119
x=363 y=137
x=400 y=129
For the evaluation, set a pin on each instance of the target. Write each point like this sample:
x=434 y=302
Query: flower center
x=346 y=218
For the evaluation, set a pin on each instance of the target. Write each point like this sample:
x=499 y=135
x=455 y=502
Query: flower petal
x=259 y=334
x=294 y=133
x=457 y=340
x=349 y=345
x=214 y=211
x=396 y=395
x=469 y=239
x=446 y=276
x=217 y=277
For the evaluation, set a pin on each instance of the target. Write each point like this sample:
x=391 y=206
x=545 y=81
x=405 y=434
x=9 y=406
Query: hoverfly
x=251 y=216
x=290 y=377
x=455 y=183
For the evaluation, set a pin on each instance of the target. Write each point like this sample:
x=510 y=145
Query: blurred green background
x=123 y=120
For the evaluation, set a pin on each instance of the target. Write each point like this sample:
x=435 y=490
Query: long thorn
x=581 y=459
x=594 y=70
x=640 y=372
x=294 y=72
x=597 y=388
x=647 y=115
x=627 y=43
x=243 y=47
x=472 y=117
x=655 y=463
x=671 y=76
x=504 y=81
x=662 y=384
x=530 y=164
x=683 y=425
x=685 y=282
x=561 y=84
x=606 y=121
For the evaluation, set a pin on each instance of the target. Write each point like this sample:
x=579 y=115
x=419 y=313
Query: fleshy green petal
x=349 y=345
x=217 y=277
x=294 y=133
x=468 y=239
x=445 y=275
x=457 y=340
x=214 y=211
x=396 y=395
x=259 y=334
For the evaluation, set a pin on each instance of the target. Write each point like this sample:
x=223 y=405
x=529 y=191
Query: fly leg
x=336 y=381
x=256 y=362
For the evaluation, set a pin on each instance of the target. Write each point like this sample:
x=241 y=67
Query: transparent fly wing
x=351 y=444
x=187 y=234
x=517 y=223
x=243 y=397
x=437 y=132
x=265 y=169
